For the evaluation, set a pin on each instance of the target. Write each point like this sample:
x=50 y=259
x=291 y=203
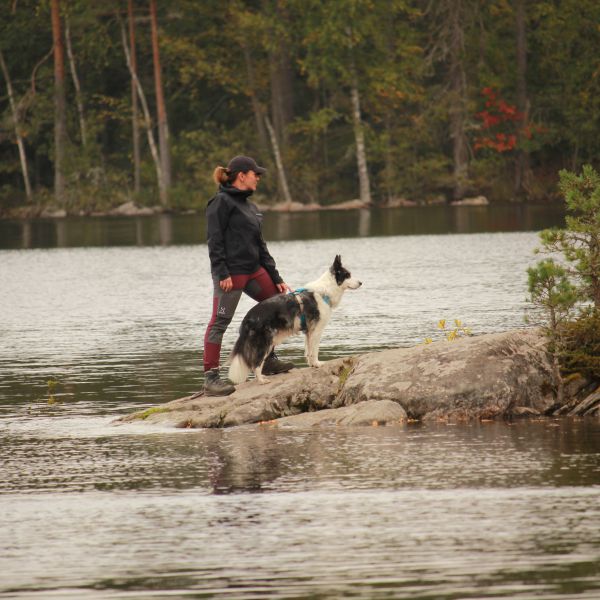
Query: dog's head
x=342 y=276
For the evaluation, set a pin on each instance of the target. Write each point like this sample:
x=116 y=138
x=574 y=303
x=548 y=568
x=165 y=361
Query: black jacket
x=233 y=232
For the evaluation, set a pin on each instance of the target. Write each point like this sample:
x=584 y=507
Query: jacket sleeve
x=267 y=261
x=217 y=217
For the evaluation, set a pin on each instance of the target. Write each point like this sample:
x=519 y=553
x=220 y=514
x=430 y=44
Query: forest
x=379 y=100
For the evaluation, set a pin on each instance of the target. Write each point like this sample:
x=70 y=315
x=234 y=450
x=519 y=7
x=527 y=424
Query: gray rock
x=476 y=201
x=482 y=377
x=368 y=412
x=53 y=213
x=130 y=209
x=478 y=377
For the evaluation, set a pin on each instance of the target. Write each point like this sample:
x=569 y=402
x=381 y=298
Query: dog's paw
x=263 y=380
x=316 y=364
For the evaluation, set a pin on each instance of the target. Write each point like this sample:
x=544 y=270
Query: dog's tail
x=238 y=369
x=249 y=351
x=242 y=359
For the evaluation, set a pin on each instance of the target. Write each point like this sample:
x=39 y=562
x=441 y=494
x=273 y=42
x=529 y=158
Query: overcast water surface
x=89 y=510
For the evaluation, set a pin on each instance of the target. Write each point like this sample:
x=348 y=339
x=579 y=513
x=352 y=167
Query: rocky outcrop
x=478 y=377
x=52 y=212
x=131 y=209
x=398 y=203
x=481 y=377
x=476 y=201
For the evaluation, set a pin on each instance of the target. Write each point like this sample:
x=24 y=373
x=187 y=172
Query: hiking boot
x=215 y=386
x=274 y=366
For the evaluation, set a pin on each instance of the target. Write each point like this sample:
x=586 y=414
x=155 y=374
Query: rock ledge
x=500 y=375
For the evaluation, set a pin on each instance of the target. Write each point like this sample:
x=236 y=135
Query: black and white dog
x=273 y=320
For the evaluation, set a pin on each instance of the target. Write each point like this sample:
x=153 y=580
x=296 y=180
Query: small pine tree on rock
x=558 y=288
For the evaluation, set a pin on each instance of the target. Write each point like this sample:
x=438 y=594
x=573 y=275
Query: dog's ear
x=337 y=263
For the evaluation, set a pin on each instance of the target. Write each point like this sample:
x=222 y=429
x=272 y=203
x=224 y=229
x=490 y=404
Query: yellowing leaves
x=458 y=330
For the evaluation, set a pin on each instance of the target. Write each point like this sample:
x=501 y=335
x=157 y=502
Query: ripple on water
x=91 y=510
x=368 y=543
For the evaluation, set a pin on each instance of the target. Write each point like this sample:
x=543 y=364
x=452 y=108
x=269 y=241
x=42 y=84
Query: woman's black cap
x=244 y=164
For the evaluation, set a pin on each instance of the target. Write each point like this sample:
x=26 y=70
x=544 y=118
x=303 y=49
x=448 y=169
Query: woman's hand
x=226 y=284
x=283 y=287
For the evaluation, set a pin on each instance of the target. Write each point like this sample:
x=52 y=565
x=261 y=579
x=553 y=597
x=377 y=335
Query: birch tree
x=17 y=126
x=76 y=83
x=332 y=42
x=145 y=110
x=135 y=127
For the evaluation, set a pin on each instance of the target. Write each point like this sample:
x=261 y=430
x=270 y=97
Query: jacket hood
x=235 y=192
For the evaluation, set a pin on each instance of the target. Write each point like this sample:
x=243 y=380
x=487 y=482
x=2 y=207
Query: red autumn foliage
x=502 y=123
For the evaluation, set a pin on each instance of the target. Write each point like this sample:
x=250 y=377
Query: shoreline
x=130 y=209
x=504 y=375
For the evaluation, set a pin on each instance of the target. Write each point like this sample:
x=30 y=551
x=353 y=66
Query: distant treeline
x=102 y=102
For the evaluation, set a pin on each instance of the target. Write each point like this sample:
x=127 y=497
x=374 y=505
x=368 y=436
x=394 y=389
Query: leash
x=297 y=293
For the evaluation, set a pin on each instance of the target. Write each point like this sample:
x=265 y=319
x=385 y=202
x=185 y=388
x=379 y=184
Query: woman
x=239 y=262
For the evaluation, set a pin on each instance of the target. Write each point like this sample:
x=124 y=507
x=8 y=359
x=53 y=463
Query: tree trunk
x=60 y=105
x=280 y=170
x=361 y=153
x=458 y=101
x=16 y=120
x=256 y=106
x=76 y=84
x=389 y=170
x=281 y=81
x=163 y=127
x=555 y=342
x=281 y=76
x=594 y=271
x=312 y=181
x=145 y=111
x=281 y=94
x=522 y=158
x=134 y=101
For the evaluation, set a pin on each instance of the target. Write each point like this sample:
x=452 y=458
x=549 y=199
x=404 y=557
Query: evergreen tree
x=378 y=99
x=580 y=241
x=556 y=288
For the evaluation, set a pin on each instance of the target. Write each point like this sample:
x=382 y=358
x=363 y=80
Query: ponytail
x=221 y=176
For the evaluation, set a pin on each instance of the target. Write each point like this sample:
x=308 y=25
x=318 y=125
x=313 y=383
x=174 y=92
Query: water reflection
x=62 y=453
x=169 y=229
x=165 y=230
x=433 y=511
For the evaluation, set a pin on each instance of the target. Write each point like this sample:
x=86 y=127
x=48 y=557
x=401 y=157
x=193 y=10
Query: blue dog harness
x=297 y=292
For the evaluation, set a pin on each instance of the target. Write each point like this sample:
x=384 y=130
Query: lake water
x=89 y=510
x=170 y=229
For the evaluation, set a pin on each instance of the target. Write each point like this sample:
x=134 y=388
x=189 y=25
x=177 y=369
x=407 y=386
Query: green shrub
x=580 y=351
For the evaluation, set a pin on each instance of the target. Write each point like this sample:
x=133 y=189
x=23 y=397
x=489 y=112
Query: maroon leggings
x=258 y=286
